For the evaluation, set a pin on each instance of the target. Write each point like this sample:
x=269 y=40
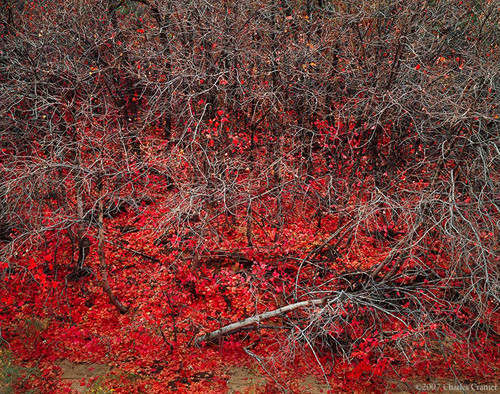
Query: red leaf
x=32 y=264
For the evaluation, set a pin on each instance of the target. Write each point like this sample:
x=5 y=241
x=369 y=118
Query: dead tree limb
x=256 y=319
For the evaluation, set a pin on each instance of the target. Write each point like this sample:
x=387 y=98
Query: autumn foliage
x=170 y=168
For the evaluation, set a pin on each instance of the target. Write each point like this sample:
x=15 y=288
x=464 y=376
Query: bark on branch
x=256 y=319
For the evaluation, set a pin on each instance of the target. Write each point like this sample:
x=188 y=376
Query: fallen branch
x=135 y=252
x=256 y=319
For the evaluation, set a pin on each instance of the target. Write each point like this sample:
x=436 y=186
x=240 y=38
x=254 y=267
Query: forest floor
x=240 y=379
x=247 y=380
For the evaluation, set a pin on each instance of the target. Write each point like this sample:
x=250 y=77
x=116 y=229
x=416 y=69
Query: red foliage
x=229 y=210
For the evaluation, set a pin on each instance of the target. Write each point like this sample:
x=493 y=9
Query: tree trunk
x=102 y=257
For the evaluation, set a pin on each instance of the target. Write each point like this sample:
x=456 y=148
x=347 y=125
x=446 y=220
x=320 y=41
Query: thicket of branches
x=381 y=114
